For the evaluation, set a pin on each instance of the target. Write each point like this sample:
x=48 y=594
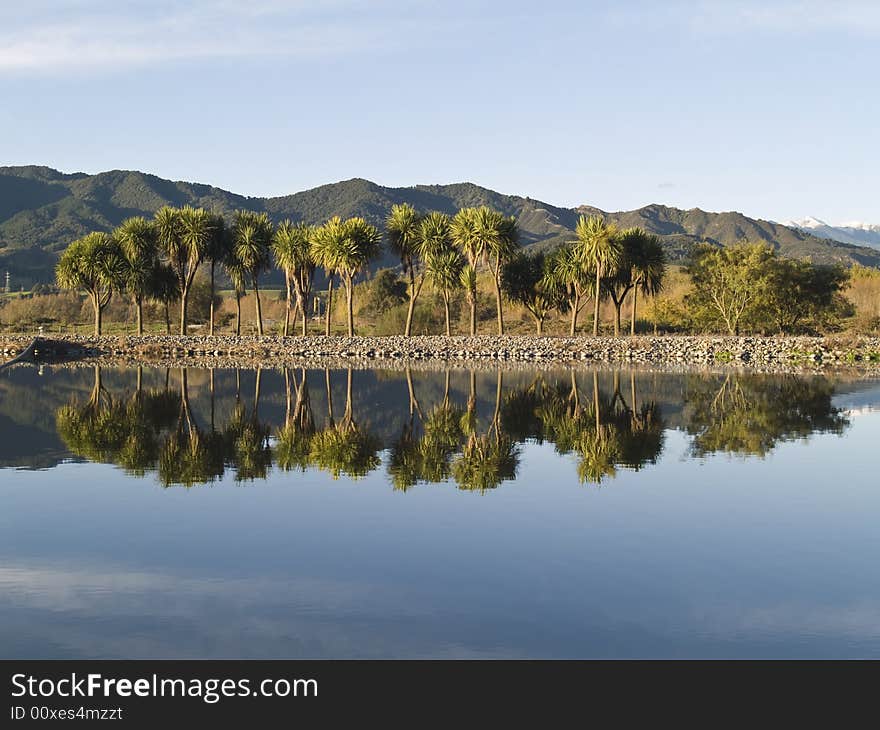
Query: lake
x=454 y=514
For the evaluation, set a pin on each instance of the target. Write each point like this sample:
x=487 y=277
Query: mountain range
x=856 y=233
x=42 y=210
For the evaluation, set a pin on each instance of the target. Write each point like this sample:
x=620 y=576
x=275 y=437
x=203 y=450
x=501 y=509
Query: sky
x=768 y=107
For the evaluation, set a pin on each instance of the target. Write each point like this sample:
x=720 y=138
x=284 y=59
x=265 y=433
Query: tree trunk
x=617 y=307
x=294 y=315
x=347 y=416
x=184 y=300
x=98 y=312
x=305 y=322
x=499 y=384
x=349 y=296
x=498 y=304
x=257 y=390
x=139 y=304
x=473 y=313
x=539 y=325
x=211 y=313
x=329 y=305
x=446 y=308
x=576 y=305
x=287 y=305
x=596 y=308
x=329 y=395
x=237 y=313
x=413 y=401
x=632 y=321
x=412 y=303
x=259 y=308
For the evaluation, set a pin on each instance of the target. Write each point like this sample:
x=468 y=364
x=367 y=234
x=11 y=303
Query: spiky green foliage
x=139 y=242
x=570 y=273
x=95 y=264
x=485 y=462
x=292 y=249
x=403 y=228
x=252 y=248
x=640 y=270
x=218 y=250
x=444 y=270
x=599 y=247
x=345 y=248
x=463 y=230
x=184 y=236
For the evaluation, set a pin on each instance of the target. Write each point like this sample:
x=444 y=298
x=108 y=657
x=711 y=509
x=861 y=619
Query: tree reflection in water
x=751 y=415
x=344 y=448
x=597 y=419
x=488 y=458
x=246 y=438
x=294 y=439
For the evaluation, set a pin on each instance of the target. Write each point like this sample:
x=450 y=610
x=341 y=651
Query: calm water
x=376 y=514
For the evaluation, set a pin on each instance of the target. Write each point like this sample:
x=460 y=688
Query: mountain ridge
x=42 y=210
x=856 y=233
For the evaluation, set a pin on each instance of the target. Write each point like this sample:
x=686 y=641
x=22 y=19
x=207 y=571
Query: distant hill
x=43 y=210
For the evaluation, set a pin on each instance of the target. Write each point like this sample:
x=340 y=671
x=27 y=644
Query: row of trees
x=600 y=261
x=735 y=287
x=158 y=259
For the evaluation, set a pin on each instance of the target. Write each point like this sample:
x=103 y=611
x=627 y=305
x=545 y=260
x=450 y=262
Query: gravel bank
x=808 y=352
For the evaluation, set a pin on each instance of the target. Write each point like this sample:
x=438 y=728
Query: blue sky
x=766 y=107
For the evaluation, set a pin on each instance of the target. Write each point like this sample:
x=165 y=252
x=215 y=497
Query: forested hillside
x=43 y=210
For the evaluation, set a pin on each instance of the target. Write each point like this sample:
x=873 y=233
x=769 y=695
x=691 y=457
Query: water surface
x=437 y=514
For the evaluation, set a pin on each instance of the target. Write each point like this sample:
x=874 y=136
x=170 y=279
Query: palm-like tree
x=569 y=272
x=345 y=248
x=641 y=267
x=433 y=241
x=95 y=264
x=323 y=243
x=403 y=228
x=184 y=235
x=463 y=230
x=444 y=269
x=648 y=271
x=238 y=276
x=292 y=246
x=501 y=242
x=599 y=246
x=138 y=241
x=217 y=251
x=252 y=243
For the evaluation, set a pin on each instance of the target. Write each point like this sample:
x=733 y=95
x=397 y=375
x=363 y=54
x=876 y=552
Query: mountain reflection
x=430 y=432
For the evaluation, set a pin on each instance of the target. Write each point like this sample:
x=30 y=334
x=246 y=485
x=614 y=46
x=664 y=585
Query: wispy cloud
x=788 y=17
x=81 y=34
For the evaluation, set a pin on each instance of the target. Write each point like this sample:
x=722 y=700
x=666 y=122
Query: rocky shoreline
x=751 y=352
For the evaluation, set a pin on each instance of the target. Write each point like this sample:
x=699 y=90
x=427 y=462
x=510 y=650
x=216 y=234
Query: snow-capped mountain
x=854 y=232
